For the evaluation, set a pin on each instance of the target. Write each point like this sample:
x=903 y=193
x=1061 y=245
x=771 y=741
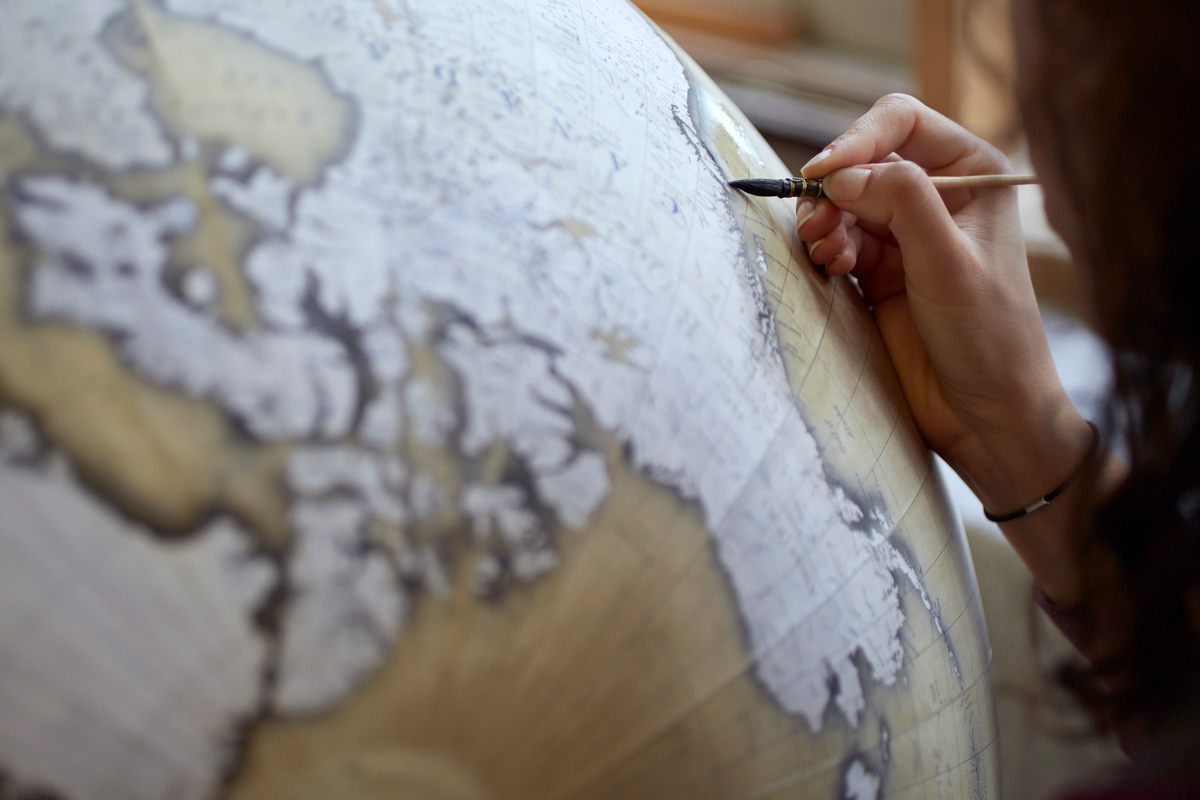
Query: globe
x=395 y=401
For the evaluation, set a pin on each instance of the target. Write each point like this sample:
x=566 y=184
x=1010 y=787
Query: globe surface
x=395 y=402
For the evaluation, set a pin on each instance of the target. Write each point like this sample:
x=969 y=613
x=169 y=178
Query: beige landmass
x=213 y=84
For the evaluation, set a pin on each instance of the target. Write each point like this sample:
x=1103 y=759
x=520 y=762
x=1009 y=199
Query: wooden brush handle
x=981 y=181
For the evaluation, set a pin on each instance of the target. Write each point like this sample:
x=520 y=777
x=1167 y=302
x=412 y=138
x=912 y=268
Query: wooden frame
x=765 y=22
x=935 y=52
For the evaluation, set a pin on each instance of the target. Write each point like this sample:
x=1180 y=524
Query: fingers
x=867 y=251
x=880 y=271
x=832 y=248
x=899 y=196
x=816 y=218
x=849 y=256
x=902 y=125
x=825 y=229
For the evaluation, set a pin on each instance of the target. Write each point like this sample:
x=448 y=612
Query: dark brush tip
x=761 y=187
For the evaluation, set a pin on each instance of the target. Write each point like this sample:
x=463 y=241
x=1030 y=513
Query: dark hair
x=1114 y=104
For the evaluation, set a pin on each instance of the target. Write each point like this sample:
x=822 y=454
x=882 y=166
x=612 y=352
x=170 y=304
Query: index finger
x=905 y=126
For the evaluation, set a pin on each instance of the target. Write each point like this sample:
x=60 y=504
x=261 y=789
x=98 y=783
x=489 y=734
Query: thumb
x=900 y=196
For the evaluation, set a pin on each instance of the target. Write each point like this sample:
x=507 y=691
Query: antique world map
x=395 y=402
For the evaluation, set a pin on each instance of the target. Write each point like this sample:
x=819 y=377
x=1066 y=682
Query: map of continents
x=394 y=400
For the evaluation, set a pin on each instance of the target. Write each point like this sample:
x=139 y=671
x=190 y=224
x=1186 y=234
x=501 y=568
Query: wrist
x=1011 y=468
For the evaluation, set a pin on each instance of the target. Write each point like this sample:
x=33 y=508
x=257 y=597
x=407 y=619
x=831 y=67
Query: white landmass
x=147 y=655
x=861 y=783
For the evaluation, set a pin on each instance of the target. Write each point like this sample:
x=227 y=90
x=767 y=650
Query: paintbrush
x=814 y=188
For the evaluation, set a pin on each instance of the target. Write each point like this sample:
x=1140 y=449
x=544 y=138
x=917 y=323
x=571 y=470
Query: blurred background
x=802 y=71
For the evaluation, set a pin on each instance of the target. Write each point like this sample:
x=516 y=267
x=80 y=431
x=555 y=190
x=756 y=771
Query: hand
x=947 y=279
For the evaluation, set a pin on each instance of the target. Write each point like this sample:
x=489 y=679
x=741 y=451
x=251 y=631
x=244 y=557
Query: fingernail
x=815 y=160
x=804 y=211
x=846 y=185
x=812 y=248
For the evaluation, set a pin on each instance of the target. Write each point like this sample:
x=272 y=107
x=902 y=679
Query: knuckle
x=902 y=177
x=989 y=158
x=901 y=182
x=856 y=129
x=899 y=101
x=1003 y=162
x=909 y=171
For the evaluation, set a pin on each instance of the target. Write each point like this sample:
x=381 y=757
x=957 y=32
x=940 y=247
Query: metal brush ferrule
x=800 y=187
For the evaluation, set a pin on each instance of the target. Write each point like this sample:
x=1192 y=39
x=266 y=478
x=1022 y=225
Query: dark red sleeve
x=1082 y=630
x=1079 y=625
x=1131 y=790
x=1072 y=620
